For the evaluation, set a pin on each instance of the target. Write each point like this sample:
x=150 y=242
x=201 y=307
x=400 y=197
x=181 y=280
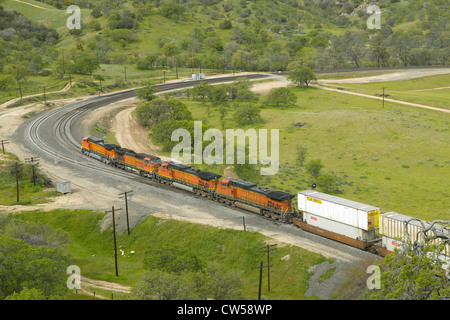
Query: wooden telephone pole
x=16 y=166
x=261 y=267
x=114 y=235
x=33 y=161
x=125 y=195
x=3 y=142
x=267 y=249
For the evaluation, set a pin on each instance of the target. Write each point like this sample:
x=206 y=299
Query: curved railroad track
x=60 y=120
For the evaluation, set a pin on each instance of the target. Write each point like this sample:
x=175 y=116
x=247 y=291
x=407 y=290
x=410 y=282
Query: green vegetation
x=165 y=38
x=32 y=260
x=205 y=247
x=30 y=193
x=413 y=274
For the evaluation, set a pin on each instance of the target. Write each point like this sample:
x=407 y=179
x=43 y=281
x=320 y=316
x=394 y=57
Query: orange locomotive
x=275 y=204
x=202 y=182
x=98 y=149
x=127 y=159
x=142 y=163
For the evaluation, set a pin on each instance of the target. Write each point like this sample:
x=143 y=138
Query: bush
x=247 y=114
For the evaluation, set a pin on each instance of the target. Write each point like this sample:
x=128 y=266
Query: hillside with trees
x=261 y=35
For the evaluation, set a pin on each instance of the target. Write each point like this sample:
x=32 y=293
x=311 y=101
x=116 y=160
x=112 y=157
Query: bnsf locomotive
x=275 y=204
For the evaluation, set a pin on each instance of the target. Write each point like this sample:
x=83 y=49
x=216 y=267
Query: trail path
x=66 y=88
x=385 y=99
x=33 y=5
x=89 y=285
x=391 y=76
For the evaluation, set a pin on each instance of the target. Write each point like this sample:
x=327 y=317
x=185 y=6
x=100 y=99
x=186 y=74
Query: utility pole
x=20 y=90
x=125 y=195
x=3 y=142
x=125 y=73
x=33 y=160
x=243 y=220
x=114 y=235
x=16 y=166
x=261 y=267
x=45 y=97
x=267 y=249
x=383 y=95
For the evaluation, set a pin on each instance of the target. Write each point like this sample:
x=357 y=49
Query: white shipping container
x=338 y=227
x=355 y=214
x=392 y=229
x=392 y=225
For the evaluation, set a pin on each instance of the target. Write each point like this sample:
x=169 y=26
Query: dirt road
x=390 y=76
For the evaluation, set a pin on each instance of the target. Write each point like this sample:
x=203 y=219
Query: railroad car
x=338 y=218
x=141 y=163
x=98 y=149
x=274 y=204
x=395 y=228
x=202 y=182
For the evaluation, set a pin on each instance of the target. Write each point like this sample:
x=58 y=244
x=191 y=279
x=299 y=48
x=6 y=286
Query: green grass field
x=396 y=158
x=237 y=251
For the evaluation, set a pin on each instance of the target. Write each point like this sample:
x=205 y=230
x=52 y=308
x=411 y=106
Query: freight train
x=274 y=204
x=336 y=218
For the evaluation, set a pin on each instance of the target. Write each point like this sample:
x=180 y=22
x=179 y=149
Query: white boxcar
x=350 y=218
x=392 y=230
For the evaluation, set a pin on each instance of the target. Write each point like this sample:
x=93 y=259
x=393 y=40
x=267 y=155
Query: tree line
x=243 y=35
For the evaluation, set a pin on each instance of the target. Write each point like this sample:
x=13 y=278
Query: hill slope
x=261 y=35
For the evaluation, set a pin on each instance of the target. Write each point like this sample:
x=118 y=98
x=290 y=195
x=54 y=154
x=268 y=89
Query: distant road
x=385 y=99
x=392 y=75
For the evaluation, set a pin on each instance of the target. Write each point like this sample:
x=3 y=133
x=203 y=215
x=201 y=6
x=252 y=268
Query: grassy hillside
x=235 y=251
x=211 y=35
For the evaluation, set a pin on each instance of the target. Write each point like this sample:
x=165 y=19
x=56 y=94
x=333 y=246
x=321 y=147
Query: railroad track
x=61 y=131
